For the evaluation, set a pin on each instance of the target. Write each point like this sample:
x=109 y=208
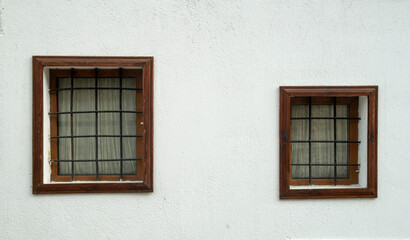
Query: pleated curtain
x=108 y=124
x=321 y=153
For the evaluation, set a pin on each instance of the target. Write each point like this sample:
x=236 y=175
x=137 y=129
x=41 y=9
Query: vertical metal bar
x=334 y=133
x=121 y=162
x=96 y=123
x=71 y=123
x=310 y=139
x=58 y=139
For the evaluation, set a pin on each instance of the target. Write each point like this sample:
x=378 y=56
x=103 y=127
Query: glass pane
x=108 y=100
x=342 y=172
x=322 y=172
x=342 y=130
x=84 y=99
x=109 y=168
x=84 y=149
x=64 y=124
x=322 y=129
x=342 y=153
x=64 y=153
x=300 y=130
x=300 y=153
x=322 y=153
x=109 y=82
x=129 y=167
x=129 y=124
x=300 y=172
x=83 y=124
x=322 y=110
x=128 y=82
x=300 y=111
x=84 y=168
x=342 y=110
x=108 y=123
x=108 y=149
x=129 y=100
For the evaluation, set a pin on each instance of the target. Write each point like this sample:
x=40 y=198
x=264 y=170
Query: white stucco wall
x=218 y=66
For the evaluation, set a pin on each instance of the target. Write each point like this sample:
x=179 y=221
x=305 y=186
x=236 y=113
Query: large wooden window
x=100 y=124
x=319 y=147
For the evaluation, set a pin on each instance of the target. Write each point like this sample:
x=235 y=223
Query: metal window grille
x=310 y=141
x=96 y=136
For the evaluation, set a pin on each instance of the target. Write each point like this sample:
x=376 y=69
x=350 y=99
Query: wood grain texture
x=146 y=176
x=37 y=124
x=286 y=93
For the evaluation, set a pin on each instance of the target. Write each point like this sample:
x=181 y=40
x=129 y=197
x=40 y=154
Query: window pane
x=129 y=100
x=342 y=130
x=83 y=124
x=322 y=129
x=342 y=172
x=342 y=110
x=129 y=167
x=322 y=172
x=300 y=130
x=300 y=153
x=63 y=105
x=129 y=82
x=108 y=123
x=84 y=99
x=109 y=148
x=300 y=111
x=109 y=82
x=322 y=110
x=342 y=153
x=108 y=100
x=322 y=153
x=129 y=147
x=84 y=168
x=109 y=168
x=64 y=153
x=300 y=172
x=64 y=126
x=84 y=149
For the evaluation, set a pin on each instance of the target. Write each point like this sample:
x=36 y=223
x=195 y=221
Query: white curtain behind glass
x=321 y=153
x=108 y=124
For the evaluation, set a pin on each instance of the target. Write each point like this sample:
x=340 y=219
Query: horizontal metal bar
x=113 y=111
x=86 y=136
x=323 y=164
x=99 y=174
x=330 y=118
x=99 y=160
x=324 y=141
x=321 y=178
x=93 y=88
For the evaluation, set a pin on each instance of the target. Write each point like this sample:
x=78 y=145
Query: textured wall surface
x=218 y=67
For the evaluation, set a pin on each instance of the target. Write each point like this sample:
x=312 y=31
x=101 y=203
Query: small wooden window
x=319 y=142
x=100 y=124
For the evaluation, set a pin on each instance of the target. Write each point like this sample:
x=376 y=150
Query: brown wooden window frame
x=143 y=180
x=325 y=94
